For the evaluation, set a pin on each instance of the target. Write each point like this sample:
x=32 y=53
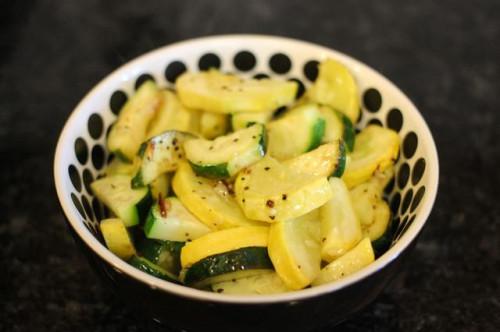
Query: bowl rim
x=183 y=291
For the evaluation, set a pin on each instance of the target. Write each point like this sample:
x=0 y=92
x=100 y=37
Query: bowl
x=81 y=156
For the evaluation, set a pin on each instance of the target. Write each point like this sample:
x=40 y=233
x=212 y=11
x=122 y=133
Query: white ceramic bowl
x=81 y=155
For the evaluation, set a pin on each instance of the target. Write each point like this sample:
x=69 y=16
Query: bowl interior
x=81 y=153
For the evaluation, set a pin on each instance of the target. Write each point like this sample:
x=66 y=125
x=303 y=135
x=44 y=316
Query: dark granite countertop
x=443 y=54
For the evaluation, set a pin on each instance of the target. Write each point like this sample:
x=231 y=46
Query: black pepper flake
x=270 y=203
x=199 y=182
x=243 y=178
x=235 y=140
x=323 y=239
x=254 y=137
x=193 y=190
x=233 y=280
x=246 y=188
x=176 y=148
x=267 y=168
x=284 y=197
x=272 y=217
x=211 y=147
x=174 y=141
x=299 y=267
x=113 y=186
x=168 y=147
x=220 y=290
x=243 y=200
x=203 y=197
x=187 y=234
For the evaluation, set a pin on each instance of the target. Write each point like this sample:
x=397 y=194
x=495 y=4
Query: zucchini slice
x=243 y=120
x=160 y=154
x=338 y=126
x=165 y=254
x=128 y=204
x=130 y=129
x=271 y=191
x=326 y=160
x=117 y=238
x=340 y=227
x=300 y=130
x=223 y=241
x=118 y=166
x=213 y=125
x=148 y=267
x=169 y=220
x=267 y=282
x=295 y=250
x=352 y=261
x=230 y=265
x=210 y=201
x=376 y=150
x=171 y=115
x=336 y=87
x=227 y=155
x=214 y=91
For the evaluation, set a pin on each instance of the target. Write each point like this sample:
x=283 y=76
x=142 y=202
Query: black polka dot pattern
x=395 y=201
x=260 y=76
x=406 y=201
x=95 y=126
x=395 y=119
x=390 y=186
x=87 y=180
x=174 y=70
x=375 y=122
x=279 y=111
x=418 y=197
x=410 y=144
x=117 y=100
x=75 y=178
x=143 y=78
x=301 y=89
x=311 y=70
x=418 y=171
x=87 y=207
x=209 y=60
x=81 y=150
x=78 y=205
x=403 y=175
x=244 y=61
x=372 y=100
x=280 y=63
x=98 y=156
x=96 y=206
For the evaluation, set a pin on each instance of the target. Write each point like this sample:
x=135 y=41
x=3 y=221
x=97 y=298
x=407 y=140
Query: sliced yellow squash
x=171 y=115
x=129 y=131
x=223 y=241
x=213 y=124
x=210 y=201
x=376 y=149
x=340 y=227
x=336 y=87
x=352 y=261
x=117 y=238
x=214 y=91
x=161 y=185
x=295 y=250
x=270 y=191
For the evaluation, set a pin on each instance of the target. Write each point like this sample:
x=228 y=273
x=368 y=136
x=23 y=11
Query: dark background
x=443 y=54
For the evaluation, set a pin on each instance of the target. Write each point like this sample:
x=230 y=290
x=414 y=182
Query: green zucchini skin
x=349 y=134
x=218 y=171
x=143 y=207
x=165 y=254
x=341 y=161
x=199 y=274
x=317 y=132
x=148 y=267
x=383 y=243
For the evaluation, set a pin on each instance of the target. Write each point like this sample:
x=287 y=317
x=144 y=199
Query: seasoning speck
x=235 y=140
x=270 y=203
x=267 y=168
x=284 y=197
x=246 y=188
x=272 y=217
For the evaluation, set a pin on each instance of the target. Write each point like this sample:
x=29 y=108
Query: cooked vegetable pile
x=210 y=189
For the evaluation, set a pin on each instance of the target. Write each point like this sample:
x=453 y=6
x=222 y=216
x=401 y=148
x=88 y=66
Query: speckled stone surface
x=443 y=54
